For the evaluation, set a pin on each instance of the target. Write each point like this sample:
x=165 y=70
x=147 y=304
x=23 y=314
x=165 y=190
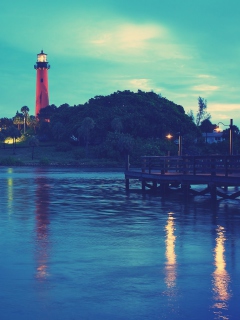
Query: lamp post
x=230 y=135
x=179 y=144
x=169 y=136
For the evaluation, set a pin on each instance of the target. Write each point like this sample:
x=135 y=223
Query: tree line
x=122 y=122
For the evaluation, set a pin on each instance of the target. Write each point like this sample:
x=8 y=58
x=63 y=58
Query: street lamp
x=230 y=134
x=169 y=136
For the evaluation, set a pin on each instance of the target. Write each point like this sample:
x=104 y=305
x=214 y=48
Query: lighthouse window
x=42 y=58
x=41 y=79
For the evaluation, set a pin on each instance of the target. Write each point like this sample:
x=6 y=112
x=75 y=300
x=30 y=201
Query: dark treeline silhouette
x=121 y=123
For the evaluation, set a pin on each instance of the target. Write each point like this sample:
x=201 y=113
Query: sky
x=179 y=49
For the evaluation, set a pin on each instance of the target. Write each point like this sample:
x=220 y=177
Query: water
x=74 y=245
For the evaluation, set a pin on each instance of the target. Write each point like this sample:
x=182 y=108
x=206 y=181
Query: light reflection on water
x=42 y=226
x=10 y=190
x=170 y=253
x=75 y=245
x=221 y=278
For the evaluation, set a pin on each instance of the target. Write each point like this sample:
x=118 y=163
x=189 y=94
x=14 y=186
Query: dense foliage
x=120 y=123
x=109 y=127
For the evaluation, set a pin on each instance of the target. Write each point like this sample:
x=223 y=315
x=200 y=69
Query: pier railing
x=192 y=165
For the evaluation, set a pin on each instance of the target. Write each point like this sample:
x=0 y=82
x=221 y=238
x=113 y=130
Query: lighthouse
x=42 y=96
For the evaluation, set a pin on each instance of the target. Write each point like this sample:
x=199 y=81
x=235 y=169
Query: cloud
x=224 y=112
x=134 y=84
x=205 y=88
x=225 y=107
x=205 y=76
x=128 y=36
x=144 y=84
x=113 y=38
x=118 y=41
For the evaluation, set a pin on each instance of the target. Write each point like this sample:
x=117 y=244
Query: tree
x=32 y=122
x=2 y=137
x=202 y=113
x=25 y=111
x=191 y=115
x=46 y=113
x=87 y=125
x=58 y=131
x=117 y=125
x=14 y=133
x=125 y=143
x=33 y=142
x=5 y=123
x=206 y=127
x=18 y=119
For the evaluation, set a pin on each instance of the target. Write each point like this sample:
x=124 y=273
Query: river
x=75 y=245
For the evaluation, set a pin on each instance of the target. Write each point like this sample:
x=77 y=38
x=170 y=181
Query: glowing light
x=10 y=191
x=42 y=57
x=217 y=129
x=169 y=136
x=9 y=140
x=221 y=277
x=170 y=265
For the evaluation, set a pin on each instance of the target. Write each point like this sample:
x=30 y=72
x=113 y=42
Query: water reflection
x=10 y=190
x=42 y=223
x=221 y=278
x=180 y=268
x=170 y=265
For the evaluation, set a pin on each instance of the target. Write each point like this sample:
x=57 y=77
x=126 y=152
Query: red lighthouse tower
x=42 y=66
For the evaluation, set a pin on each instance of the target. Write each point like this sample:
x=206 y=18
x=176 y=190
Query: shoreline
x=68 y=165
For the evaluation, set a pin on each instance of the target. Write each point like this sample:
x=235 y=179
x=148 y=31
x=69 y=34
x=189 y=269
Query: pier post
x=164 y=187
x=127 y=164
x=213 y=166
x=213 y=191
x=185 y=189
x=127 y=184
x=154 y=186
x=143 y=164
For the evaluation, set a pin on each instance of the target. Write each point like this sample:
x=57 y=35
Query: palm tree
x=18 y=119
x=25 y=111
x=32 y=122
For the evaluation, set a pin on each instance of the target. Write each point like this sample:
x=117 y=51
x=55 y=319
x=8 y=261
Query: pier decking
x=216 y=173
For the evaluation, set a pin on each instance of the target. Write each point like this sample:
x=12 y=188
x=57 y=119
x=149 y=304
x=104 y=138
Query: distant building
x=213 y=137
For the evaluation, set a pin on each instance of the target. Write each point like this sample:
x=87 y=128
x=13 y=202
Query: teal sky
x=181 y=49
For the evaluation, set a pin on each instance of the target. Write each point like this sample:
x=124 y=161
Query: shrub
x=44 y=162
x=63 y=147
x=79 y=153
x=10 y=161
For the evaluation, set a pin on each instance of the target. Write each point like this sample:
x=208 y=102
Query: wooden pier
x=215 y=173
